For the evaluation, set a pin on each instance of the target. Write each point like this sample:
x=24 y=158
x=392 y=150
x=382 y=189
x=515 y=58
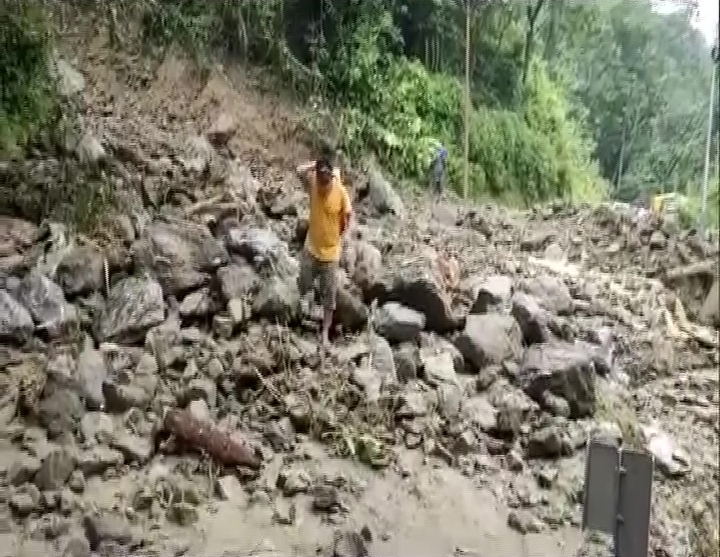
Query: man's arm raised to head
x=303 y=172
x=346 y=215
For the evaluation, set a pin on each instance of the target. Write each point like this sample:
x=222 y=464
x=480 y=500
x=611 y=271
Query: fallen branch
x=223 y=446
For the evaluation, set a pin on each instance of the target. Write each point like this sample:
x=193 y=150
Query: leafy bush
x=27 y=98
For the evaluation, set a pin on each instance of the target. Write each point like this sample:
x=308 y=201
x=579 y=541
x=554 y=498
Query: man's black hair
x=323 y=165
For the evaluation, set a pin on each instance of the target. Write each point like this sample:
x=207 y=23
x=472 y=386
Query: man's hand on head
x=303 y=173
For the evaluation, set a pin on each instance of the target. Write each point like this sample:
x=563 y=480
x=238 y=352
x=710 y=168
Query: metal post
x=708 y=141
x=708 y=147
x=466 y=178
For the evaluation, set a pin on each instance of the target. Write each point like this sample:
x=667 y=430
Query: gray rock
x=350 y=311
x=132 y=390
x=545 y=443
x=70 y=81
x=493 y=295
x=489 y=339
x=133 y=447
x=563 y=369
x=551 y=292
x=278 y=299
x=437 y=367
x=16 y=323
x=222 y=130
x=55 y=469
x=198 y=304
x=134 y=305
x=197 y=154
x=382 y=195
x=81 y=271
x=238 y=281
x=60 y=410
x=91 y=373
x=531 y=317
x=46 y=303
x=89 y=150
x=260 y=246
x=398 y=323
x=414 y=285
x=376 y=371
x=22 y=469
x=524 y=522
x=107 y=526
x=407 y=361
x=480 y=413
x=181 y=254
x=97 y=459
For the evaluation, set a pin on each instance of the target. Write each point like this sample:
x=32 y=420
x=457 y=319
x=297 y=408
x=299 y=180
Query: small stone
x=76 y=482
x=524 y=521
x=55 y=469
x=107 y=526
x=22 y=470
x=22 y=504
x=230 y=489
x=183 y=514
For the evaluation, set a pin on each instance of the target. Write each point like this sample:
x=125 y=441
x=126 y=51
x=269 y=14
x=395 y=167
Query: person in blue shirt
x=438 y=170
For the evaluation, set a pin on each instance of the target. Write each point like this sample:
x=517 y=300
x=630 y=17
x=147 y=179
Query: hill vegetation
x=569 y=100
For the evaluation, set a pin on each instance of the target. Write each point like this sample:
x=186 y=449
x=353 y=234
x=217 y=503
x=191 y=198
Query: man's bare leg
x=326 y=323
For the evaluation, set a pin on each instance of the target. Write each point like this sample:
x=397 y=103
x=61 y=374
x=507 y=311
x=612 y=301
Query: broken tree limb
x=225 y=447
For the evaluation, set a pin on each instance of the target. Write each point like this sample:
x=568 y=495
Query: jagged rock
x=531 y=318
x=398 y=323
x=493 y=294
x=81 y=271
x=407 y=361
x=134 y=305
x=278 y=299
x=16 y=323
x=107 y=526
x=60 y=410
x=182 y=255
x=437 y=367
x=563 y=369
x=551 y=292
x=46 y=303
x=197 y=154
x=89 y=150
x=55 y=469
x=350 y=311
x=222 y=130
x=382 y=195
x=366 y=267
x=198 y=304
x=261 y=247
x=418 y=286
x=70 y=81
x=489 y=339
x=237 y=280
x=545 y=443
x=16 y=235
x=91 y=373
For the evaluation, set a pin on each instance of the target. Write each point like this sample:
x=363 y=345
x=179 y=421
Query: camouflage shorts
x=326 y=274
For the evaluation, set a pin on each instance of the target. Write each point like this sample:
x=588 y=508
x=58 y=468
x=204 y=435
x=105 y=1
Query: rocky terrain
x=162 y=392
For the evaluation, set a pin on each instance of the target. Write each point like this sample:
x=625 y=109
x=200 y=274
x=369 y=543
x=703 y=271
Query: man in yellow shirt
x=330 y=211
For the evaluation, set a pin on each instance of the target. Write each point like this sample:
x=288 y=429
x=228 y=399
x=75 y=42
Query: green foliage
x=27 y=99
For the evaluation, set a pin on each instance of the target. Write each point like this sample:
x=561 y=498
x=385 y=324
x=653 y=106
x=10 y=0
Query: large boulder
x=552 y=293
x=563 y=370
x=81 y=271
x=134 y=305
x=16 y=323
x=265 y=251
x=46 y=302
x=278 y=300
x=398 y=323
x=419 y=285
x=382 y=195
x=181 y=254
x=493 y=294
x=489 y=339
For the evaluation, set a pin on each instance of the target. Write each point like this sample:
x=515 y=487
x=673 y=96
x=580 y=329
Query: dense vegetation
x=569 y=99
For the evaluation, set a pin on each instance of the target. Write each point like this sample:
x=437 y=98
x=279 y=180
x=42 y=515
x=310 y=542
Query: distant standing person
x=330 y=211
x=438 y=170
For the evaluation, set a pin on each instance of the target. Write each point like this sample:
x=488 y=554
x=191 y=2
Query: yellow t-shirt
x=326 y=214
